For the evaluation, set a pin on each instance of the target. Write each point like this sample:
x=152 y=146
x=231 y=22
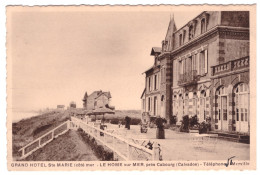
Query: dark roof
x=151 y=68
x=168 y=38
x=156 y=50
x=143 y=93
x=97 y=94
x=85 y=96
x=105 y=93
x=60 y=106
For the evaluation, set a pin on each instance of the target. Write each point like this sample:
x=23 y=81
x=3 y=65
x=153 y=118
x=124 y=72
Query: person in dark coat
x=127 y=122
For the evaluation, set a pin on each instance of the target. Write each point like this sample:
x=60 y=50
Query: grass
x=67 y=147
x=27 y=130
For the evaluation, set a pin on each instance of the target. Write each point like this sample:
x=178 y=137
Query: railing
x=121 y=147
x=43 y=140
x=230 y=66
x=126 y=149
x=188 y=78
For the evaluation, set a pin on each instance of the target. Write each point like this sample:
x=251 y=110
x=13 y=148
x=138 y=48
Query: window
x=194 y=62
x=189 y=64
x=180 y=39
x=180 y=107
x=203 y=25
x=224 y=107
x=149 y=104
x=186 y=104
x=194 y=103
x=177 y=71
x=184 y=36
x=180 y=67
x=221 y=101
x=174 y=106
x=149 y=83
x=155 y=82
x=191 y=32
x=202 y=106
x=155 y=106
x=241 y=102
x=203 y=62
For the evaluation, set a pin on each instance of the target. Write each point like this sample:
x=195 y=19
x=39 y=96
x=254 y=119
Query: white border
x=3 y=141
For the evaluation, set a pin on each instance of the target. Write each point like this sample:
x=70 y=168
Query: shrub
x=99 y=150
x=193 y=121
x=160 y=122
x=185 y=124
x=204 y=127
x=114 y=121
x=173 y=120
x=135 y=121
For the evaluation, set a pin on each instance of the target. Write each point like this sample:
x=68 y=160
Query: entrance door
x=221 y=101
x=241 y=107
x=223 y=113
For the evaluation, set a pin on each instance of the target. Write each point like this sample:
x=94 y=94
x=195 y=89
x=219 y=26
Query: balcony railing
x=188 y=78
x=230 y=66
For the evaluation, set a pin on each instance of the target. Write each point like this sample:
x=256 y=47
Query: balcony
x=188 y=78
x=230 y=66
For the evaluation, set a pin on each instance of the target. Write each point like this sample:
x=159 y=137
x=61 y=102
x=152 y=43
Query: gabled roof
x=97 y=94
x=158 y=66
x=156 y=50
x=107 y=94
x=143 y=93
x=171 y=29
x=85 y=96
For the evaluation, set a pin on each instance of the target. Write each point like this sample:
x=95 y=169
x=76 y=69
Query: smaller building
x=61 y=107
x=72 y=104
x=97 y=99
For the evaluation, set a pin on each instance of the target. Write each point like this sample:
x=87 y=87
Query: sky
x=57 y=56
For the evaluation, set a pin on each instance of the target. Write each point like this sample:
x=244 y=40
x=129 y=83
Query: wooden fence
x=123 y=149
x=43 y=140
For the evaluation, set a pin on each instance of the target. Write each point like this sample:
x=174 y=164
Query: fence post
x=156 y=152
x=113 y=146
x=52 y=134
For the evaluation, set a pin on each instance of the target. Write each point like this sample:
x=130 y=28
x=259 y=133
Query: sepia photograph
x=133 y=87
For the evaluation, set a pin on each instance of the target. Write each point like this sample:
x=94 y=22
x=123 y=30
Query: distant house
x=61 y=107
x=73 y=104
x=97 y=99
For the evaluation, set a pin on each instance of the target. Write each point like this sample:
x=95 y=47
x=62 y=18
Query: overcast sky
x=58 y=56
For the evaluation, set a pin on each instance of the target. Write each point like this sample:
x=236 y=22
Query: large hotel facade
x=203 y=69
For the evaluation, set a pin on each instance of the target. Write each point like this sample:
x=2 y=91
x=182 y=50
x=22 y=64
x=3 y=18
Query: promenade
x=180 y=146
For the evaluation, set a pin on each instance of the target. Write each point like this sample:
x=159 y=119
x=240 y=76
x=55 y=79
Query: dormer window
x=204 y=18
x=203 y=25
x=191 y=32
x=192 y=28
x=180 y=40
x=184 y=35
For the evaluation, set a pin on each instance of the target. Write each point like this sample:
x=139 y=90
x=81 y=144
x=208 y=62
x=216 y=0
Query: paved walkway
x=180 y=146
